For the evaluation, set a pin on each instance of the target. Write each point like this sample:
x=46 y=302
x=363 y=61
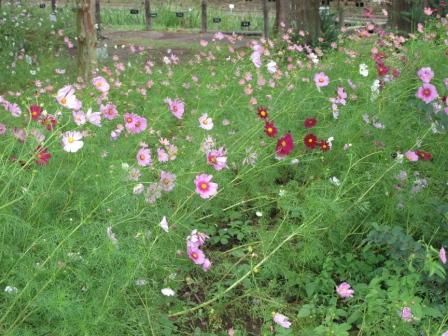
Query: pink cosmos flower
x=256 y=59
x=197 y=239
x=445 y=333
x=206 y=265
x=144 y=157
x=101 y=84
x=66 y=97
x=411 y=156
x=427 y=93
x=425 y=74
x=406 y=314
x=282 y=320
x=177 y=107
x=162 y=155
x=167 y=181
x=344 y=290
x=19 y=134
x=442 y=255
x=205 y=122
x=427 y=11
x=217 y=158
x=134 y=124
x=109 y=111
x=2 y=129
x=79 y=117
x=93 y=117
x=14 y=109
x=204 y=187
x=196 y=255
x=321 y=79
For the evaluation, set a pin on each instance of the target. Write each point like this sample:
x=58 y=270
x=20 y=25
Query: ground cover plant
x=275 y=189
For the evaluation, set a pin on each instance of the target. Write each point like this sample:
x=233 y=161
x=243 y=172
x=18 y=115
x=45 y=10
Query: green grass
x=282 y=236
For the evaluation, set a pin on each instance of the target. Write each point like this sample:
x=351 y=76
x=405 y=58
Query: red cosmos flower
x=42 y=156
x=262 y=112
x=284 y=145
x=270 y=129
x=324 y=145
x=49 y=122
x=310 y=122
x=35 y=111
x=310 y=140
x=382 y=69
x=425 y=156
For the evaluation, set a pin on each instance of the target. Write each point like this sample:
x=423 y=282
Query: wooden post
x=85 y=21
x=53 y=6
x=265 y=19
x=148 y=15
x=203 y=16
x=98 y=17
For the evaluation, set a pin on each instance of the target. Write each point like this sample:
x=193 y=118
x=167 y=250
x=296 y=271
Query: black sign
x=216 y=20
x=271 y=0
x=153 y=15
x=134 y=11
x=245 y=24
x=42 y=5
x=180 y=14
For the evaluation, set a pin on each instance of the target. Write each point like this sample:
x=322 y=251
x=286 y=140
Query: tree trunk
x=341 y=18
x=265 y=19
x=282 y=8
x=396 y=19
x=307 y=18
x=203 y=16
x=85 y=20
x=148 y=14
x=98 y=17
x=53 y=6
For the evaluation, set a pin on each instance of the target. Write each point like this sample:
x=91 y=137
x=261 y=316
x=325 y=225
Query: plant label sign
x=180 y=14
x=245 y=24
x=134 y=11
x=42 y=5
x=153 y=15
x=216 y=20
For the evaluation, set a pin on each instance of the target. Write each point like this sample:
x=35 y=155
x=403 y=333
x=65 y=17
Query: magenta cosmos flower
x=134 y=124
x=321 y=79
x=109 y=111
x=144 y=157
x=427 y=93
x=196 y=255
x=425 y=74
x=406 y=314
x=282 y=320
x=177 y=107
x=217 y=158
x=204 y=187
x=344 y=290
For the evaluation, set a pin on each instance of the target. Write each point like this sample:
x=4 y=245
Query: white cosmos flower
x=363 y=70
x=205 y=122
x=334 y=180
x=272 y=67
x=72 y=141
x=11 y=289
x=168 y=292
x=164 y=224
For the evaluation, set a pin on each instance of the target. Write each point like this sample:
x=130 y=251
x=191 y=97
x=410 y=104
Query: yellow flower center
x=70 y=139
x=64 y=101
x=270 y=130
x=203 y=186
x=283 y=143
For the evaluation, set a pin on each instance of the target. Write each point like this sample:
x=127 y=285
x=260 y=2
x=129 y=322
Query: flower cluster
x=194 y=241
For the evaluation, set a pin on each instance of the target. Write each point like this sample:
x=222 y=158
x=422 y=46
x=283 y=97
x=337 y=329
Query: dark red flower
x=270 y=129
x=285 y=145
x=262 y=112
x=310 y=122
x=42 y=156
x=310 y=140
x=382 y=69
x=425 y=156
x=49 y=122
x=35 y=112
x=324 y=145
x=396 y=73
